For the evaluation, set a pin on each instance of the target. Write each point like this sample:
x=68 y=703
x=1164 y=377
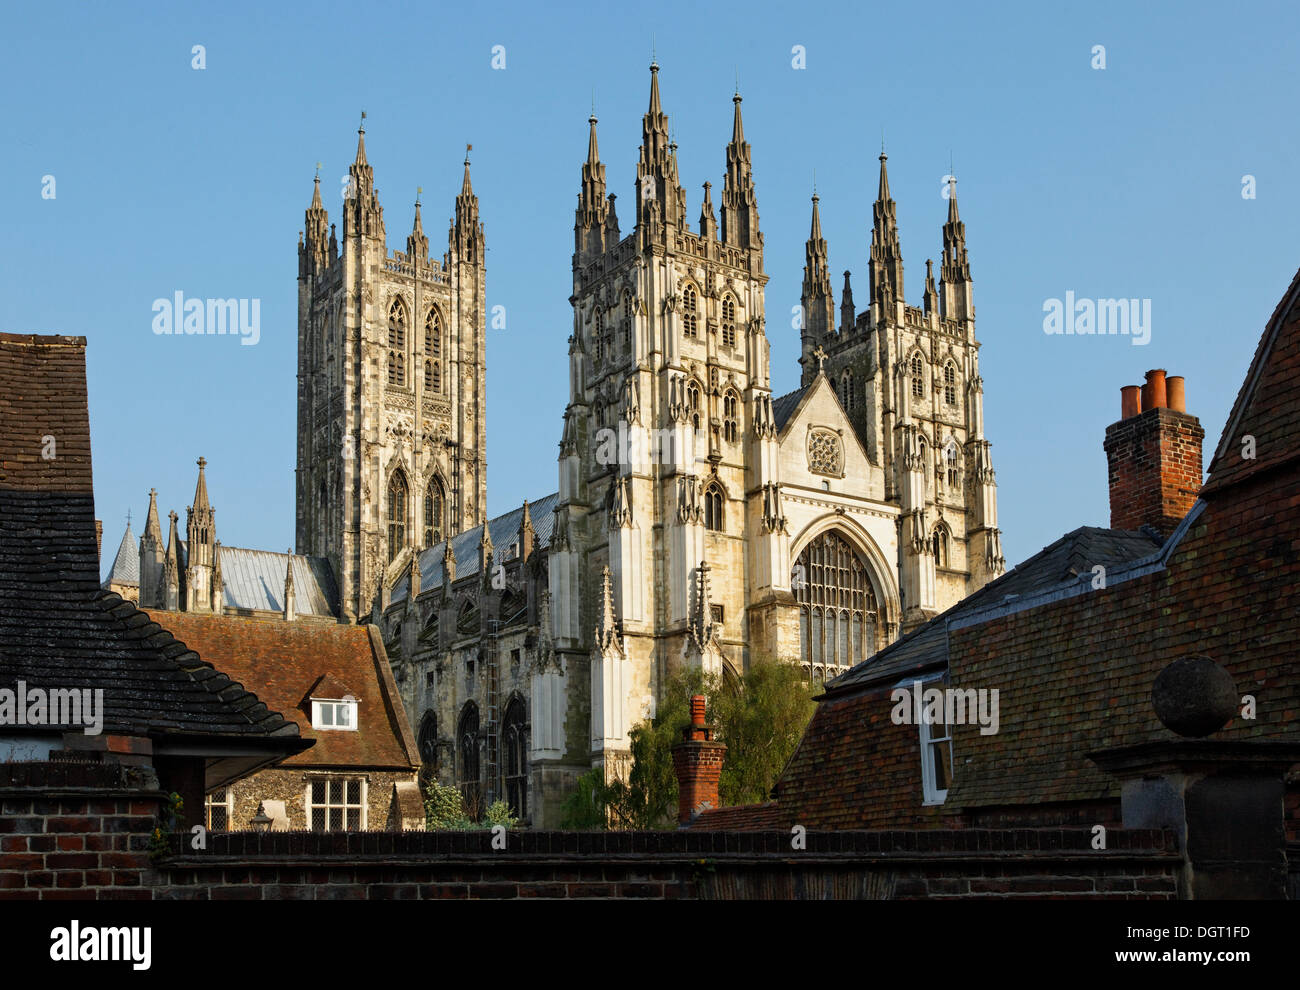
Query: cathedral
x=698 y=520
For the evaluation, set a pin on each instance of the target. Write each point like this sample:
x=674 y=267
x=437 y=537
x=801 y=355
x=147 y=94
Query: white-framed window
x=936 y=759
x=219 y=809
x=334 y=714
x=336 y=804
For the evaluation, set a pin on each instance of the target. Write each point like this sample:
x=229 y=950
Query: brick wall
x=82 y=831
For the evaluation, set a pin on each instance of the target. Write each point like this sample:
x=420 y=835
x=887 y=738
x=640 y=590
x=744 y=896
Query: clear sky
x=1125 y=181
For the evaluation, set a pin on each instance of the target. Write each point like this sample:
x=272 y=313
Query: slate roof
x=1065 y=564
x=287 y=663
x=126 y=565
x=784 y=406
x=58 y=628
x=504 y=530
x=254 y=579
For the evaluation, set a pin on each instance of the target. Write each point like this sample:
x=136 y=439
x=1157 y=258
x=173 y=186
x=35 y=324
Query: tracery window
x=838 y=614
x=713 y=502
x=428 y=739
x=952 y=462
x=949 y=384
x=514 y=747
x=467 y=763
x=824 y=453
x=939 y=547
x=434 y=500
x=397 y=496
x=693 y=403
x=433 y=334
x=918 y=377
x=397 y=324
x=598 y=336
x=728 y=322
x=730 y=417
x=627 y=321
x=690 y=312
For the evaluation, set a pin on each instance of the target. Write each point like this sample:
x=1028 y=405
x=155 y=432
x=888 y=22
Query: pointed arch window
x=847 y=391
x=397 y=324
x=397 y=499
x=693 y=403
x=713 y=507
x=949 y=384
x=392 y=368
x=428 y=739
x=728 y=322
x=433 y=334
x=731 y=417
x=952 y=464
x=939 y=547
x=838 y=613
x=598 y=335
x=690 y=312
x=467 y=763
x=434 y=502
x=917 y=370
x=428 y=376
x=514 y=747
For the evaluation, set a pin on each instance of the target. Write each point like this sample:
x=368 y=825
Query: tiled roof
x=126 y=565
x=1068 y=561
x=57 y=627
x=1268 y=403
x=287 y=663
x=504 y=530
x=784 y=406
x=743 y=817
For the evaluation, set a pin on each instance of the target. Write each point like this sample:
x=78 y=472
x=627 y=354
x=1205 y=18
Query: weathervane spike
x=362 y=127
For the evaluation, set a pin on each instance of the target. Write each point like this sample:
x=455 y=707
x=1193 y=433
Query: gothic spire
x=886 y=255
x=362 y=214
x=592 y=204
x=152 y=528
x=708 y=222
x=417 y=245
x=816 y=299
x=955 y=266
x=848 y=315
x=467 y=231
x=739 y=199
x=201 y=489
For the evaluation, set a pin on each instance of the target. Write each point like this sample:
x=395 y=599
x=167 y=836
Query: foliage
x=444 y=810
x=761 y=719
x=171 y=819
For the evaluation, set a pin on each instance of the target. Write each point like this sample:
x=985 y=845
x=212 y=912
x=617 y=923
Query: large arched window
x=730 y=416
x=952 y=466
x=598 y=335
x=950 y=384
x=728 y=322
x=713 y=507
x=939 y=546
x=837 y=606
x=428 y=739
x=397 y=498
x=917 y=372
x=514 y=750
x=397 y=324
x=467 y=772
x=846 y=391
x=690 y=312
x=433 y=334
x=434 y=499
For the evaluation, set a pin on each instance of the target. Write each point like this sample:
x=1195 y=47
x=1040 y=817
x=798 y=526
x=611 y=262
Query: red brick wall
x=1154 y=462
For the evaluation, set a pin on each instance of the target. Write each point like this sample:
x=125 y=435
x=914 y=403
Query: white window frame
x=308 y=805
x=319 y=706
x=929 y=785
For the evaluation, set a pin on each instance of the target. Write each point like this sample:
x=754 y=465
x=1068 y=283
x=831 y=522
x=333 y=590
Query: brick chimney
x=1153 y=456
x=697 y=761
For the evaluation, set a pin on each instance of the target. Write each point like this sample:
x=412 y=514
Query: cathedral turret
x=417 y=245
x=151 y=557
x=886 y=255
x=200 y=536
x=739 y=198
x=931 y=300
x=171 y=590
x=708 y=222
x=467 y=230
x=592 y=212
x=218 y=584
x=290 y=606
x=956 y=298
x=660 y=200
x=362 y=214
x=848 y=315
x=315 y=253
x=816 y=299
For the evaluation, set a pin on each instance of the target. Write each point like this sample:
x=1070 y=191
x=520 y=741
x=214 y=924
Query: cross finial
x=202 y=463
x=318 y=170
x=418 y=190
x=820 y=355
x=128 y=518
x=362 y=126
x=468 y=149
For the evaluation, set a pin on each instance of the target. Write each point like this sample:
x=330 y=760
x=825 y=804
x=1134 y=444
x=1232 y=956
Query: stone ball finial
x=1194 y=696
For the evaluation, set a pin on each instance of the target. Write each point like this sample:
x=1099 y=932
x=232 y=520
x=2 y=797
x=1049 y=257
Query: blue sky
x=1119 y=182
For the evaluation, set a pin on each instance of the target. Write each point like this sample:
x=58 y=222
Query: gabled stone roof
x=126 y=565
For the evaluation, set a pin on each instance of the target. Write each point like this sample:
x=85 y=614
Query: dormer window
x=332 y=714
